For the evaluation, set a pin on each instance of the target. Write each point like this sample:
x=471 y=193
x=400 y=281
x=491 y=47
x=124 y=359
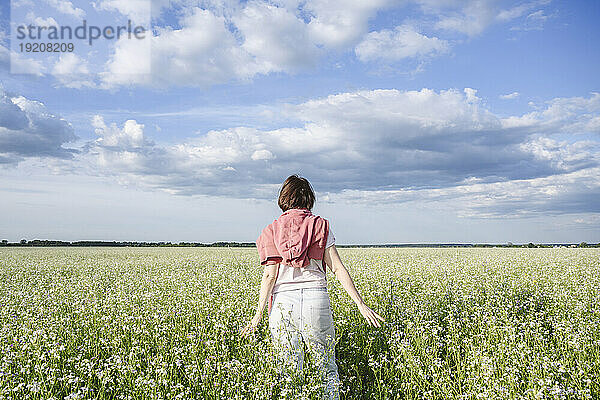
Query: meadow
x=163 y=323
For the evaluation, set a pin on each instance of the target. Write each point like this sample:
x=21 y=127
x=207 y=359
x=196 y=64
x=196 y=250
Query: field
x=162 y=323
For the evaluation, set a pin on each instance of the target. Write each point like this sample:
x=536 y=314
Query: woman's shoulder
x=266 y=234
x=320 y=217
x=325 y=221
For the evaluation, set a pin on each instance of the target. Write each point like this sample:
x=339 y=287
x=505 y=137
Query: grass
x=162 y=323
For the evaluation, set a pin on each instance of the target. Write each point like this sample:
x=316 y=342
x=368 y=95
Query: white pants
x=306 y=314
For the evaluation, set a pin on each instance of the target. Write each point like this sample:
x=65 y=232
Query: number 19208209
x=46 y=47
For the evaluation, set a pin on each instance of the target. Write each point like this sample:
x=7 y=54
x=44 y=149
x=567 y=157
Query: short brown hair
x=296 y=192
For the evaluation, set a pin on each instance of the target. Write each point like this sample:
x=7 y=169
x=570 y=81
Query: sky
x=416 y=121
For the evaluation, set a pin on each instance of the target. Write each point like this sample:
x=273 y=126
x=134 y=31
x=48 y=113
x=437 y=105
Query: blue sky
x=416 y=121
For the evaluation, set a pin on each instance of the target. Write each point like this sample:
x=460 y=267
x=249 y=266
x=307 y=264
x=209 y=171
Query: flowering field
x=133 y=323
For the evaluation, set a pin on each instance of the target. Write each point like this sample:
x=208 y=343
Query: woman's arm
x=266 y=287
x=332 y=258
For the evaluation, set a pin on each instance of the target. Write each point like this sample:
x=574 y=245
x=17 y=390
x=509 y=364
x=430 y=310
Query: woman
x=293 y=249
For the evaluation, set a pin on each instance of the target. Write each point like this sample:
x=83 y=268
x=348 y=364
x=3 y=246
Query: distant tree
x=583 y=244
x=23 y=241
x=531 y=245
x=509 y=244
x=4 y=242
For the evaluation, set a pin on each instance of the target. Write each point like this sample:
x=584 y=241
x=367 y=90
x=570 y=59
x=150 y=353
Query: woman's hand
x=266 y=288
x=332 y=258
x=370 y=315
x=251 y=327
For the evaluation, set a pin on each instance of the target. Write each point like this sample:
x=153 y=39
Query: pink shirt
x=310 y=276
x=297 y=239
x=293 y=239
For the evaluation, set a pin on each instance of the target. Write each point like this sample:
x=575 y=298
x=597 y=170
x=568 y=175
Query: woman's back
x=311 y=276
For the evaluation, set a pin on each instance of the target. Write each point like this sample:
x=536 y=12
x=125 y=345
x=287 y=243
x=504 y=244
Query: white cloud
x=388 y=145
x=21 y=3
x=393 y=112
x=221 y=41
x=203 y=52
x=19 y=64
x=72 y=71
x=570 y=115
x=70 y=63
x=509 y=96
x=537 y=16
x=534 y=22
x=472 y=17
x=131 y=136
x=220 y=44
x=28 y=129
x=562 y=155
x=262 y=155
x=570 y=193
x=519 y=10
x=39 y=21
x=403 y=42
x=338 y=26
x=277 y=39
x=376 y=146
x=205 y=162
x=66 y=7
x=131 y=63
x=139 y=11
